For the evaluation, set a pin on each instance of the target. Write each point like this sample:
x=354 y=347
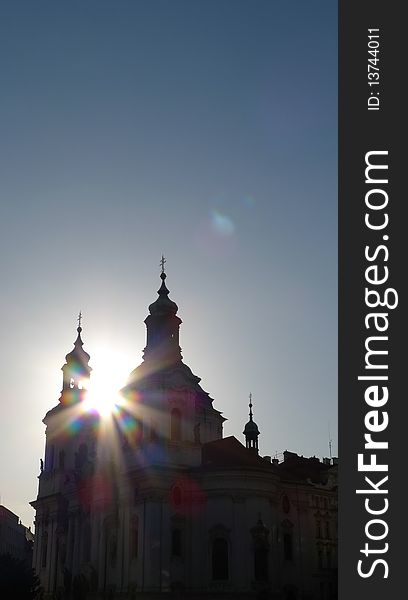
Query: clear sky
x=203 y=129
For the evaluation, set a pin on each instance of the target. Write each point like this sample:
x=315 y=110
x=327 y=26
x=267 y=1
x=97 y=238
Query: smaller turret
x=251 y=431
x=76 y=370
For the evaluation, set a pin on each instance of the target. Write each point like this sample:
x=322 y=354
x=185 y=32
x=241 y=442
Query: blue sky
x=205 y=130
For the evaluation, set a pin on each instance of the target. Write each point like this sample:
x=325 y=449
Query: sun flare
x=108 y=377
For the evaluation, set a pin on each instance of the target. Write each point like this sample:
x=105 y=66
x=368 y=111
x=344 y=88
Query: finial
x=162 y=263
x=250 y=407
x=79 y=329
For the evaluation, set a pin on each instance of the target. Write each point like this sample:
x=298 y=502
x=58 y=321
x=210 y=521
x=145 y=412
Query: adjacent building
x=15 y=539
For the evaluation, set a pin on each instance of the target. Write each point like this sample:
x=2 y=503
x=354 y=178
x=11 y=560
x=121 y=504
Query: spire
x=251 y=431
x=163 y=326
x=76 y=370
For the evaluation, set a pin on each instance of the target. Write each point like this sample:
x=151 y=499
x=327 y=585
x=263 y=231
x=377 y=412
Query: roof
x=299 y=468
x=229 y=453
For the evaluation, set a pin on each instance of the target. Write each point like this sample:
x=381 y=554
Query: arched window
x=220 y=559
x=261 y=563
x=287 y=546
x=134 y=538
x=285 y=504
x=81 y=456
x=83 y=452
x=44 y=549
x=61 y=459
x=175 y=429
x=87 y=540
x=113 y=549
x=49 y=459
x=260 y=535
x=176 y=496
x=176 y=542
x=153 y=432
x=290 y=593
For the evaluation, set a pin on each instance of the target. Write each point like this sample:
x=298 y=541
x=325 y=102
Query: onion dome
x=78 y=354
x=163 y=305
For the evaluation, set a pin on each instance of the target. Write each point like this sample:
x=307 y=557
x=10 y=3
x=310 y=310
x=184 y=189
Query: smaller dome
x=251 y=428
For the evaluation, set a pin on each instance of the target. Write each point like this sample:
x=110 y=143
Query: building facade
x=15 y=539
x=155 y=501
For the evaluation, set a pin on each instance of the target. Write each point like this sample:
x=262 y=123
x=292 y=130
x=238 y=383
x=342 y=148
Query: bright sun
x=109 y=373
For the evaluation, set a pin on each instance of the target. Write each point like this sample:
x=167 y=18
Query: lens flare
x=222 y=223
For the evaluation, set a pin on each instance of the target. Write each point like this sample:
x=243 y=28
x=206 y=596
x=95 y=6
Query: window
x=81 y=457
x=113 y=550
x=288 y=546
x=320 y=559
x=327 y=530
x=175 y=430
x=261 y=564
x=61 y=459
x=176 y=496
x=87 y=540
x=49 y=464
x=322 y=591
x=176 y=542
x=220 y=559
x=134 y=538
x=285 y=504
x=44 y=548
x=153 y=433
x=318 y=529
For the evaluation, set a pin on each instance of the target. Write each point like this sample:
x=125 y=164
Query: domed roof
x=163 y=305
x=78 y=354
x=251 y=428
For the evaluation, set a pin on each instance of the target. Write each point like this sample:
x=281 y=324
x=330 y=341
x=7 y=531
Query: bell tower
x=76 y=371
x=164 y=395
x=163 y=324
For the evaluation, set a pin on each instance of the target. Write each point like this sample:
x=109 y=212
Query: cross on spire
x=162 y=263
x=79 y=319
x=250 y=407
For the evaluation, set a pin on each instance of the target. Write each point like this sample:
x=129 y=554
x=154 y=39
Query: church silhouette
x=160 y=504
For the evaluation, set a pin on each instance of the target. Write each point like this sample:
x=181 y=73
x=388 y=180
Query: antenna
x=330 y=442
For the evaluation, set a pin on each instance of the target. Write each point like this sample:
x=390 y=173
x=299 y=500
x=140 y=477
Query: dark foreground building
x=154 y=502
x=15 y=539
